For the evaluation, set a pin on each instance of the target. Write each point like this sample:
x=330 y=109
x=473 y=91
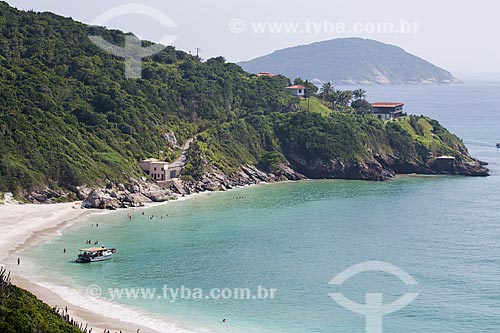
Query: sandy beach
x=24 y=226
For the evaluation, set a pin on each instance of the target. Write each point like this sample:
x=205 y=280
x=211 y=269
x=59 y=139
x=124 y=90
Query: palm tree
x=333 y=98
x=326 y=89
x=345 y=98
x=359 y=93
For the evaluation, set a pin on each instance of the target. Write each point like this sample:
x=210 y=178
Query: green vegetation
x=345 y=100
x=431 y=137
x=313 y=104
x=68 y=115
x=20 y=311
x=309 y=139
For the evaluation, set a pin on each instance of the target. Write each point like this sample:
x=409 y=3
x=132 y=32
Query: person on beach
x=18 y=261
x=224 y=320
x=64 y=250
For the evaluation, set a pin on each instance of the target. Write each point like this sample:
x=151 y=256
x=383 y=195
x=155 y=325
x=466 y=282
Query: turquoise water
x=296 y=237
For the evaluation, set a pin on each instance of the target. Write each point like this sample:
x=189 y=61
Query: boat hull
x=88 y=259
x=95 y=254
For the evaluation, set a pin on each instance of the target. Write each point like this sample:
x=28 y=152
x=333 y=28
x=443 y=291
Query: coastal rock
x=82 y=192
x=316 y=168
x=457 y=167
x=254 y=173
x=101 y=200
x=160 y=196
x=287 y=173
x=138 y=192
x=93 y=200
x=46 y=196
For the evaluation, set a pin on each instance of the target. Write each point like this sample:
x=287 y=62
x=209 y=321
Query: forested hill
x=351 y=61
x=68 y=116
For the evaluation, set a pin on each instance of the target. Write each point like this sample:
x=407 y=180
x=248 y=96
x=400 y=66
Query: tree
x=299 y=81
x=310 y=89
x=333 y=98
x=359 y=93
x=326 y=89
x=345 y=98
x=361 y=106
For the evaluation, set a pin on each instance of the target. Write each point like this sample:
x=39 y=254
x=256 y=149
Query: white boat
x=93 y=254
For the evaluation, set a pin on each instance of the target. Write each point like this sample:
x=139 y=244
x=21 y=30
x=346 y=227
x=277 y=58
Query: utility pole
x=198 y=51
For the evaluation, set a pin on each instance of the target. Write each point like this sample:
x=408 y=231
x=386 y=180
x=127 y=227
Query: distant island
x=351 y=61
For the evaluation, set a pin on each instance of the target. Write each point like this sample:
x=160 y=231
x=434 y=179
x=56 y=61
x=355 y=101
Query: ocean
x=293 y=238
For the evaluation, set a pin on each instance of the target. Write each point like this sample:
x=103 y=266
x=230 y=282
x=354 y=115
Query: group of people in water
x=152 y=216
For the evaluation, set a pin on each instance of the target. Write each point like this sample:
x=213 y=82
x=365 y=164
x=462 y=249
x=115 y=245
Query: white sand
x=20 y=222
x=24 y=226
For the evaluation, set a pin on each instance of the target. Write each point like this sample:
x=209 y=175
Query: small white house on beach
x=156 y=169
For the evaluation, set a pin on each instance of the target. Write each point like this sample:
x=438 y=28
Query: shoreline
x=29 y=225
x=24 y=226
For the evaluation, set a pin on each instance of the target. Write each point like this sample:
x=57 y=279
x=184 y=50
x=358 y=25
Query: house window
x=300 y=91
x=155 y=168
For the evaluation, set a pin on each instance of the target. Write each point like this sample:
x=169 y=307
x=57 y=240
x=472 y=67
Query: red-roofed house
x=387 y=110
x=297 y=90
x=265 y=74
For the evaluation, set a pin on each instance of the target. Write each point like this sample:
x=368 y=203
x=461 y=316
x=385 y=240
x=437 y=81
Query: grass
x=21 y=311
x=313 y=104
x=419 y=128
x=423 y=132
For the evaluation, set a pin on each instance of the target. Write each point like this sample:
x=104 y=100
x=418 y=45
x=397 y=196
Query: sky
x=459 y=36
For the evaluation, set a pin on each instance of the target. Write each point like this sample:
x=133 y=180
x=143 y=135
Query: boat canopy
x=94 y=249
